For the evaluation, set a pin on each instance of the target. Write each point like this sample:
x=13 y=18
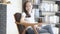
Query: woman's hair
x=24 y=8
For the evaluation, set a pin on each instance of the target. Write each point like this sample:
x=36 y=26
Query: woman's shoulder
x=23 y=14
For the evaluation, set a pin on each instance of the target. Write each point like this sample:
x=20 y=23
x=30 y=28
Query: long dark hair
x=24 y=8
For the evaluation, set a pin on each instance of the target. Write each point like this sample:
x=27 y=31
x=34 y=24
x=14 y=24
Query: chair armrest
x=24 y=31
x=29 y=24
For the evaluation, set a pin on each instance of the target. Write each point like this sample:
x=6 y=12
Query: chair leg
x=24 y=32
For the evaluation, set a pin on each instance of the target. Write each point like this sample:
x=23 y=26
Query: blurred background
x=48 y=10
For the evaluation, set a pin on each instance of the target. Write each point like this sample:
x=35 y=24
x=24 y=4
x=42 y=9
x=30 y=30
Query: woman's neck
x=29 y=12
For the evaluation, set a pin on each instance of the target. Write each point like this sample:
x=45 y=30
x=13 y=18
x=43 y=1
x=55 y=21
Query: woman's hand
x=37 y=27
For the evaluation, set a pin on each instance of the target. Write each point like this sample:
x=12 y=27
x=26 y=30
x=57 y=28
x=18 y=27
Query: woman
x=28 y=16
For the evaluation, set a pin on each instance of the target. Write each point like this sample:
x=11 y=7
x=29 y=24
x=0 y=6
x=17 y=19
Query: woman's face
x=28 y=6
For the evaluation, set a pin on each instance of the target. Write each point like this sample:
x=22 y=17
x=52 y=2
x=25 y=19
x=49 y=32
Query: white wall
x=15 y=6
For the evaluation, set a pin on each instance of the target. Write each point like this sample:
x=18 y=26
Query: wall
x=15 y=6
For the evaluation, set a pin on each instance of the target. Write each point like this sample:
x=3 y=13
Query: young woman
x=28 y=16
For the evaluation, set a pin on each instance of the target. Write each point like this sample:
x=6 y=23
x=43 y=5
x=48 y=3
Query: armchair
x=22 y=26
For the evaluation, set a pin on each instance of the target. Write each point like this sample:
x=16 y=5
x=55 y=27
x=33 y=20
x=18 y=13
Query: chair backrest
x=20 y=27
x=17 y=17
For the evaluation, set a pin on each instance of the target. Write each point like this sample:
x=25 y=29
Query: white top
x=29 y=19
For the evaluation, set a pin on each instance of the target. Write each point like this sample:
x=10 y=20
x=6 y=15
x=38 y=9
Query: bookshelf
x=48 y=9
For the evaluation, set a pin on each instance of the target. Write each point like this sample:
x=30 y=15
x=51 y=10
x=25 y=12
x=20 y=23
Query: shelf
x=48 y=13
x=58 y=12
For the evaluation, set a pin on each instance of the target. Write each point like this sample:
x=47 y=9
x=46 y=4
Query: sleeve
x=23 y=14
